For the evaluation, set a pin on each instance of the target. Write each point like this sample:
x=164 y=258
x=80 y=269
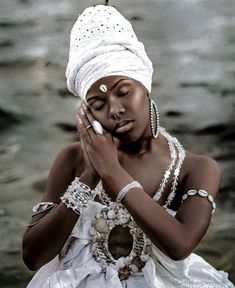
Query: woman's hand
x=100 y=150
x=88 y=165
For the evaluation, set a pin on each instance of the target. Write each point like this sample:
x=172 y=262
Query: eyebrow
x=115 y=84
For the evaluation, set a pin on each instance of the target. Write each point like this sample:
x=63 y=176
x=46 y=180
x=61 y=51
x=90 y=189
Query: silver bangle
x=43 y=206
x=34 y=223
x=77 y=196
x=201 y=193
x=126 y=189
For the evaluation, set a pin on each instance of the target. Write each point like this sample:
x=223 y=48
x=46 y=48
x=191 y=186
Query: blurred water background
x=192 y=46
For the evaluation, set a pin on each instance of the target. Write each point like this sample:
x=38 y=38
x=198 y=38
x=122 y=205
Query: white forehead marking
x=103 y=88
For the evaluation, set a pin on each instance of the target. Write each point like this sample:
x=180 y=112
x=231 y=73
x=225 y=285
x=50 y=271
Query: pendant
x=101 y=231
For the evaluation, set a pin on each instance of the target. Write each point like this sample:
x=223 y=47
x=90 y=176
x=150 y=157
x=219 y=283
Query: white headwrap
x=103 y=43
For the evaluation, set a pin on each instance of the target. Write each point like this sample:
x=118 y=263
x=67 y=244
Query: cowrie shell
x=202 y=193
x=192 y=192
x=103 y=88
x=211 y=199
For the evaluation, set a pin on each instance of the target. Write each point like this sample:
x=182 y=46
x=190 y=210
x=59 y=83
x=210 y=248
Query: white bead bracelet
x=201 y=193
x=126 y=189
x=77 y=196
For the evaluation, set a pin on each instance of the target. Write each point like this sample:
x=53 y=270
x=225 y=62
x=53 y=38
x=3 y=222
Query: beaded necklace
x=113 y=214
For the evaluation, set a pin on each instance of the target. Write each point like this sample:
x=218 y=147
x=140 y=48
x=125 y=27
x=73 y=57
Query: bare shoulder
x=203 y=172
x=62 y=171
x=70 y=150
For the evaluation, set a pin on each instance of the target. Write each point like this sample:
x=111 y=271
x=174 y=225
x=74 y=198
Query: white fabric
x=103 y=43
x=75 y=266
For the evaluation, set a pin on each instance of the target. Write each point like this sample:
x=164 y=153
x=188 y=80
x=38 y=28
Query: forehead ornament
x=103 y=88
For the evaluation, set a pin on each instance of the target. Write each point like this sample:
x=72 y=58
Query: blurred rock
x=8 y=119
x=66 y=127
x=40 y=185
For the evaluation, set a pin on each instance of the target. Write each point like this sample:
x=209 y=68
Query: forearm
x=43 y=241
x=166 y=232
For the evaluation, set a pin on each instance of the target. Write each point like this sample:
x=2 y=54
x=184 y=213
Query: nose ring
x=116 y=116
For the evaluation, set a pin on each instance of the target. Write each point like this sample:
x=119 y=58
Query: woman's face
x=126 y=97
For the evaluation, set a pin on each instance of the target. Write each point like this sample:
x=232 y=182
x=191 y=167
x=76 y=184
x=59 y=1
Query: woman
x=127 y=205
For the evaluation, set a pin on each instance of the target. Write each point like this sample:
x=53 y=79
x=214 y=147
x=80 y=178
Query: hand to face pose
x=100 y=151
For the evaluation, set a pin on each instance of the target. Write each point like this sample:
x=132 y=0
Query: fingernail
x=82 y=111
x=84 y=106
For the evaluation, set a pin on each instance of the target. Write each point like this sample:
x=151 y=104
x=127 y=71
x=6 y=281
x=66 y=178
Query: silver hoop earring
x=153 y=110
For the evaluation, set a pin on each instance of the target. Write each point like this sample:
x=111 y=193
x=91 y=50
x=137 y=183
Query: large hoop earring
x=153 y=110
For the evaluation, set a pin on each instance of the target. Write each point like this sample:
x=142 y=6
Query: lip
x=125 y=128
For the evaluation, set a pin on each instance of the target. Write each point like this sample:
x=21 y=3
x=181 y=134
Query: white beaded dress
x=76 y=266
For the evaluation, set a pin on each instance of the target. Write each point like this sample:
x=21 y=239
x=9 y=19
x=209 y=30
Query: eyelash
x=97 y=109
x=123 y=94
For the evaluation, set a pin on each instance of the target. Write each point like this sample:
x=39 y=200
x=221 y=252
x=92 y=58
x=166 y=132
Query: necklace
x=181 y=157
x=167 y=173
x=114 y=214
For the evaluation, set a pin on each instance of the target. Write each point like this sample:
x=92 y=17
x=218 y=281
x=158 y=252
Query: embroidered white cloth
x=75 y=266
x=103 y=43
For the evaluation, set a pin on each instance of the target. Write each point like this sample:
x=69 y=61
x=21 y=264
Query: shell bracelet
x=201 y=193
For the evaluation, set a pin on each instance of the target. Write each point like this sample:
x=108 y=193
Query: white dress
x=75 y=266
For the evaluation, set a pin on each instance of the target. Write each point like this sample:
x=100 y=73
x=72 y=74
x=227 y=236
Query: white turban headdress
x=103 y=43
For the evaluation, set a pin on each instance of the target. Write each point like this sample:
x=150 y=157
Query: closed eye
x=97 y=107
x=123 y=93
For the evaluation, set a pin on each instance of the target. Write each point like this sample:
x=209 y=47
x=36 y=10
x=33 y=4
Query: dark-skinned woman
x=126 y=205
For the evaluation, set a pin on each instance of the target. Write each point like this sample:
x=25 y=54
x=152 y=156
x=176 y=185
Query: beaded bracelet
x=123 y=192
x=77 y=196
x=201 y=193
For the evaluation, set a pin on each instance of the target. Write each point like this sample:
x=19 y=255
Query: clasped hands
x=99 y=151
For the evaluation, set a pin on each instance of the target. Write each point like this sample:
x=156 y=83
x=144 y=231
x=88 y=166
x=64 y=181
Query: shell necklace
x=114 y=214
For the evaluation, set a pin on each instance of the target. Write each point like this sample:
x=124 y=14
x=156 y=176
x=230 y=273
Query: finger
x=82 y=129
x=91 y=118
x=78 y=133
x=79 y=106
x=78 y=115
x=82 y=115
x=87 y=119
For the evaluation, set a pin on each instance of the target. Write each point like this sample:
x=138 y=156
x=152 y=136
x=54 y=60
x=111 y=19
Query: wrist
x=109 y=174
x=77 y=196
x=90 y=178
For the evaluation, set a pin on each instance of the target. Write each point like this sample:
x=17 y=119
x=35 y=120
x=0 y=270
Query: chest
x=149 y=172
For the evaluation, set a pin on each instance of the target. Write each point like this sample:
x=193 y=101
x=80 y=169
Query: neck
x=140 y=146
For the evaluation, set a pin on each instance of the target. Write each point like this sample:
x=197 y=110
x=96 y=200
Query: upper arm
x=62 y=173
x=195 y=212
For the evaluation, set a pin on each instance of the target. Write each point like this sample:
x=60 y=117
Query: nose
x=115 y=107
